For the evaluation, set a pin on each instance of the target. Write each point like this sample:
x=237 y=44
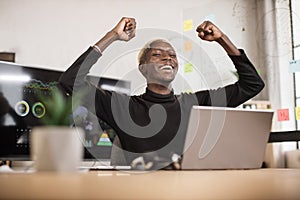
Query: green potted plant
x=55 y=146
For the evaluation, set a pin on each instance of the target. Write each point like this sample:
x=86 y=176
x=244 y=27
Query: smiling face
x=158 y=63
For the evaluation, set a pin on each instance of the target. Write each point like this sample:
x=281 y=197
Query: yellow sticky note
x=188 y=67
x=188 y=46
x=188 y=25
x=188 y=91
x=297 y=112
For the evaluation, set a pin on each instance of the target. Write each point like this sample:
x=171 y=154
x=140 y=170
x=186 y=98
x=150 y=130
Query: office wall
x=276 y=52
x=52 y=33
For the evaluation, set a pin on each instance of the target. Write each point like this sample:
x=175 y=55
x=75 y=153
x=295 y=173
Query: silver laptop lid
x=226 y=138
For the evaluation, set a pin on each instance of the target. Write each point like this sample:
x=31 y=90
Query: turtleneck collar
x=158 y=98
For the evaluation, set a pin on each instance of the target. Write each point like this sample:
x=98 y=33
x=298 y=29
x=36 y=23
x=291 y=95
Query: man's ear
x=143 y=69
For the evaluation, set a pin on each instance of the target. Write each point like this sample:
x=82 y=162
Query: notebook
x=226 y=138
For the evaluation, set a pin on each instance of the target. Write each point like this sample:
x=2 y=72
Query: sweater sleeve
x=75 y=75
x=74 y=80
x=249 y=84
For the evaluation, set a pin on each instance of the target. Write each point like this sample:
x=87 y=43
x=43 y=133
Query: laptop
x=226 y=138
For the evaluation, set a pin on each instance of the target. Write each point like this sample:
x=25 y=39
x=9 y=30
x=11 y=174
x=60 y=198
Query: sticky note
x=188 y=25
x=188 y=67
x=259 y=71
x=188 y=46
x=297 y=113
x=294 y=66
x=188 y=91
x=283 y=115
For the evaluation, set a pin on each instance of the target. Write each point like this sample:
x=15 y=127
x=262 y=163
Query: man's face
x=161 y=64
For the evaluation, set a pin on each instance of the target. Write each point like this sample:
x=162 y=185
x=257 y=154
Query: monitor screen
x=21 y=109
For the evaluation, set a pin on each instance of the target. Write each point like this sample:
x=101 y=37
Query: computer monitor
x=21 y=110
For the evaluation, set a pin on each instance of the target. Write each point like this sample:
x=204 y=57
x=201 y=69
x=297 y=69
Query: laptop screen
x=226 y=138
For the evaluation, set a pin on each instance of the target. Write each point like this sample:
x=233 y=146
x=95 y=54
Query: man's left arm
x=249 y=82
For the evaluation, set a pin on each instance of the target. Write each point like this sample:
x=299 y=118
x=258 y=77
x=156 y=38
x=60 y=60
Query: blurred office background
x=51 y=34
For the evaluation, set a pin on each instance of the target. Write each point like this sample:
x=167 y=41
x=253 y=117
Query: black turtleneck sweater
x=154 y=122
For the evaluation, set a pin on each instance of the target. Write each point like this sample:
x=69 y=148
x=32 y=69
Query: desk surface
x=218 y=184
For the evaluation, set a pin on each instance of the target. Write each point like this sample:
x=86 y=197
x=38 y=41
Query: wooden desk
x=227 y=184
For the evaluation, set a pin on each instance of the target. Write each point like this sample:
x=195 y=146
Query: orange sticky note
x=283 y=115
x=188 y=46
x=297 y=113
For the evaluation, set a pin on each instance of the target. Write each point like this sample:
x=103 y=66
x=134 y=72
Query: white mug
x=56 y=148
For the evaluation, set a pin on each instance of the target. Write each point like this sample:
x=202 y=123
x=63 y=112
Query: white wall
x=53 y=33
x=276 y=52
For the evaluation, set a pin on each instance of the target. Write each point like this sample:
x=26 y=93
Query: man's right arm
x=75 y=75
x=124 y=31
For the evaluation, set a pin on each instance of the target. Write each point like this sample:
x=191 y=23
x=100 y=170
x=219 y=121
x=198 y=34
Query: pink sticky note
x=283 y=115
